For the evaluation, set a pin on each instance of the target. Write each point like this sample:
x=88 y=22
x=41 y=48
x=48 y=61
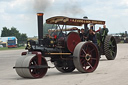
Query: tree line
x=21 y=37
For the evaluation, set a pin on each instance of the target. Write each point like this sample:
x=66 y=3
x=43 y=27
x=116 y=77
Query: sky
x=21 y=14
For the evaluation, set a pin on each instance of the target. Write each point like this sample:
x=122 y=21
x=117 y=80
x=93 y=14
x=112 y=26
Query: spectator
x=82 y=35
x=104 y=31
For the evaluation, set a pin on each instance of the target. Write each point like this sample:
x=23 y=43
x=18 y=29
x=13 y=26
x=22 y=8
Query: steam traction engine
x=65 y=49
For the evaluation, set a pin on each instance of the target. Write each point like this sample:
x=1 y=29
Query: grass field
x=6 y=48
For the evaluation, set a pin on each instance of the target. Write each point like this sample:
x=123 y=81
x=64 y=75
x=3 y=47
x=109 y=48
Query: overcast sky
x=22 y=13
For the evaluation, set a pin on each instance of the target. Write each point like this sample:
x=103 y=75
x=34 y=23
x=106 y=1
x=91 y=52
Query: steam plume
x=68 y=7
x=42 y=5
x=73 y=9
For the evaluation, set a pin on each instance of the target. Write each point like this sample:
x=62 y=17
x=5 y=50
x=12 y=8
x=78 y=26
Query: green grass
x=6 y=48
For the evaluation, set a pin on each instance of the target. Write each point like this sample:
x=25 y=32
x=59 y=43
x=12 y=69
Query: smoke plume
x=42 y=5
x=55 y=7
x=73 y=9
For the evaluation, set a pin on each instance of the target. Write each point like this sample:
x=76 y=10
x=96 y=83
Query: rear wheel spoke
x=94 y=58
x=85 y=64
x=86 y=47
x=91 y=50
x=111 y=53
x=84 y=51
x=82 y=61
x=112 y=41
x=90 y=65
x=82 y=56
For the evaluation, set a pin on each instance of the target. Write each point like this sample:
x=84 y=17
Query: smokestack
x=126 y=33
x=40 y=27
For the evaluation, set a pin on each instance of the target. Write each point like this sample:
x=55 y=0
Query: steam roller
x=63 y=46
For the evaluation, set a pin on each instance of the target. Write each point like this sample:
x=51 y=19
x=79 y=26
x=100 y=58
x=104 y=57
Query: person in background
x=79 y=31
x=104 y=31
x=82 y=35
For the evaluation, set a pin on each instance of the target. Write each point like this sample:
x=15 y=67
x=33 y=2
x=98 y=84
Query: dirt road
x=114 y=72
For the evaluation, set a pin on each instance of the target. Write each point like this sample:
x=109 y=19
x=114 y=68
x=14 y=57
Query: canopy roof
x=62 y=20
x=68 y=29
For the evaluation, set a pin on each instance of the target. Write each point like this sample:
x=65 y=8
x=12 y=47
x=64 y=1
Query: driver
x=92 y=35
x=52 y=34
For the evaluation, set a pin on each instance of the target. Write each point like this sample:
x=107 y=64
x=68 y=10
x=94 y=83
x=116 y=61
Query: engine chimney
x=40 y=27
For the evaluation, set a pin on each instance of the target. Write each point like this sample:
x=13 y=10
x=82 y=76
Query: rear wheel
x=110 y=47
x=86 y=57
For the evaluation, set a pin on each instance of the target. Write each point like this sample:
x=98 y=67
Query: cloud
x=17 y=13
x=18 y=7
x=6 y=0
x=22 y=13
x=124 y=2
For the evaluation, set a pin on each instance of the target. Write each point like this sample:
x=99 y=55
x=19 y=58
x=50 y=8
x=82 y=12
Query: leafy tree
x=21 y=38
x=122 y=34
x=14 y=31
x=5 y=32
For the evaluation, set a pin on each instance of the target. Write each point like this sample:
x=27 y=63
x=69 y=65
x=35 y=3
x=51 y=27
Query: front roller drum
x=31 y=66
x=86 y=57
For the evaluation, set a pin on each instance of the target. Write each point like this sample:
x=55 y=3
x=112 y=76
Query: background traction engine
x=67 y=53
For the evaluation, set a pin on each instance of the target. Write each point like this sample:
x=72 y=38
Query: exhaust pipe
x=40 y=27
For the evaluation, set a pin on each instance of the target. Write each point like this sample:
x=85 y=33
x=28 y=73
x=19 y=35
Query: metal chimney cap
x=40 y=14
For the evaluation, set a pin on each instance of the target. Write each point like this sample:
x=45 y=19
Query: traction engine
x=65 y=50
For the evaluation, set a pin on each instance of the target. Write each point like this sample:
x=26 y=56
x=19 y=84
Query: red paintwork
x=12 y=46
x=72 y=40
x=38 y=54
x=55 y=36
x=23 y=53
